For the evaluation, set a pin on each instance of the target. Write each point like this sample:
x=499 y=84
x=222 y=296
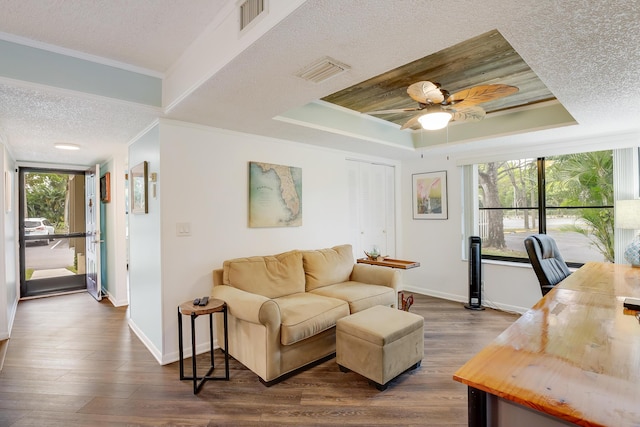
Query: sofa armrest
x=376 y=275
x=246 y=306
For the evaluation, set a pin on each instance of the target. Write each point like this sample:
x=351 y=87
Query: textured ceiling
x=36 y=119
x=375 y=37
x=587 y=53
x=150 y=34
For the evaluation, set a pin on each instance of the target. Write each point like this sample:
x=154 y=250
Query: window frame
x=541 y=217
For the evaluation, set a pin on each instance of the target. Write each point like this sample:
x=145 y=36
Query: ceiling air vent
x=322 y=70
x=249 y=10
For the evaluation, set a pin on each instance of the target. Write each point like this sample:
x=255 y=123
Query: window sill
x=512 y=264
x=507 y=263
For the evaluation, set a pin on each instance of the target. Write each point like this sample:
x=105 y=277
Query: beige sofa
x=283 y=308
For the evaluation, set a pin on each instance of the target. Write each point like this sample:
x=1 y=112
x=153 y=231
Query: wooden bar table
x=572 y=359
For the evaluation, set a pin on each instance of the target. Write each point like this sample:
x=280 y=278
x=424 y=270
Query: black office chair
x=546 y=261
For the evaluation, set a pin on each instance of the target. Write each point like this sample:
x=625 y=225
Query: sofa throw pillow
x=329 y=266
x=271 y=276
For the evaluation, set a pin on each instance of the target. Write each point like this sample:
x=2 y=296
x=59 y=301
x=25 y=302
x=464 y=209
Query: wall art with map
x=275 y=195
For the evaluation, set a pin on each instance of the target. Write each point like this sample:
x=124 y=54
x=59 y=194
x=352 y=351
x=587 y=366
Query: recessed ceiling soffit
x=485 y=59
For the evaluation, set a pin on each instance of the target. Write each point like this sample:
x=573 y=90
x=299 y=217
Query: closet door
x=390 y=211
x=372 y=208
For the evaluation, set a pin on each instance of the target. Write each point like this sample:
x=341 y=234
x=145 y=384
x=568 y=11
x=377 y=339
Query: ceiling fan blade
x=467 y=114
x=425 y=92
x=413 y=121
x=396 y=111
x=479 y=94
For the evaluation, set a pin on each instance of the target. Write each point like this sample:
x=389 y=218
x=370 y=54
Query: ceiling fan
x=436 y=107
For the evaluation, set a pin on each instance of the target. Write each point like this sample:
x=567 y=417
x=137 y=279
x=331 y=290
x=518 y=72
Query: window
x=569 y=197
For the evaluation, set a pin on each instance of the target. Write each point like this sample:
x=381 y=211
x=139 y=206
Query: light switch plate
x=183 y=229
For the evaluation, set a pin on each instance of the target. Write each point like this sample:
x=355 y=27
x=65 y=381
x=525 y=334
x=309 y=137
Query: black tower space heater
x=475 y=274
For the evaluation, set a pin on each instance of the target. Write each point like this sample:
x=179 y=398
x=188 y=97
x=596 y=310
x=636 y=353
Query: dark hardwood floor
x=72 y=361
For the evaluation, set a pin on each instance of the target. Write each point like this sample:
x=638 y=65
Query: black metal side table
x=188 y=309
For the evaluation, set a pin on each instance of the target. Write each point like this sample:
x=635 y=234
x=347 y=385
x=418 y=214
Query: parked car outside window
x=38 y=227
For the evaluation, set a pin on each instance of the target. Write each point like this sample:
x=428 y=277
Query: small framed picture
x=8 y=190
x=139 y=198
x=430 y=195
x=105 y=188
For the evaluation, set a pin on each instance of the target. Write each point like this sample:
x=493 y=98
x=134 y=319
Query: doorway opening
x=52 y=231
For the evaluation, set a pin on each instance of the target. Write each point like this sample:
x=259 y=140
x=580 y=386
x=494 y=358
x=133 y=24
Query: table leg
x=211 y=337
x=193 y=353
x=180 y=345
x=226 y=344
x=477 y=403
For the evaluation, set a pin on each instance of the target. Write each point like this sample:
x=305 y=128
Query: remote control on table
x=632 y=304
x=204 y=301
x=196 y=301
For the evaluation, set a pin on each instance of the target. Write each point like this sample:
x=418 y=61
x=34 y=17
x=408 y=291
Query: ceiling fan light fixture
x=435 y=121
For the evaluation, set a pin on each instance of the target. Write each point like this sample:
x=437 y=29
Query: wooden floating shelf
x=390 y=262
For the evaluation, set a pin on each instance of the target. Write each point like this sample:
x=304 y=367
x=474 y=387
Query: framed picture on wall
x=275 y=195
x=105 y=188
x=430 y=195
x=8 y=190
x=139 y=198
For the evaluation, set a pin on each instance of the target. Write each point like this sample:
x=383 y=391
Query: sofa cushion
x=305 y=315
x=271 y=276
x=329 y=266
x=360 y=296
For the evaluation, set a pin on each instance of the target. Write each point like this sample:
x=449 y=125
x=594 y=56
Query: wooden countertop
x=575 y=355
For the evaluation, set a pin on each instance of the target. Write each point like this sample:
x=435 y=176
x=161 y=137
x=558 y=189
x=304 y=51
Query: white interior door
x=92 y=218
x=371 y=208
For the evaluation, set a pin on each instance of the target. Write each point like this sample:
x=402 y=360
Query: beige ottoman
x=380 y=343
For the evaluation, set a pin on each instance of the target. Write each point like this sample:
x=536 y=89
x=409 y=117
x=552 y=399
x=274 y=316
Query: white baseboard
x=4 y=344
x=115 y=302
x=13 y=309
x=504 y=307
x=200 y=348
x=165 y=359
x=155 y=352
x=459 y=298
x=436 y=294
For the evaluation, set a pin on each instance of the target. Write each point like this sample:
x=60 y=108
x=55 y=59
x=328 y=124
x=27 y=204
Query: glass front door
x=52 y=231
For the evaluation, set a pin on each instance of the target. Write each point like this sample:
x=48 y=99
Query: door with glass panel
x=51 y=231
x=92 y=228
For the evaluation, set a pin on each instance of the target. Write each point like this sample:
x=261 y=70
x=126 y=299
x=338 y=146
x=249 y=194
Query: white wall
x=437 y=244
x=9 y=247
x=203 y=181
x=145 y=264
x=115 y=240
